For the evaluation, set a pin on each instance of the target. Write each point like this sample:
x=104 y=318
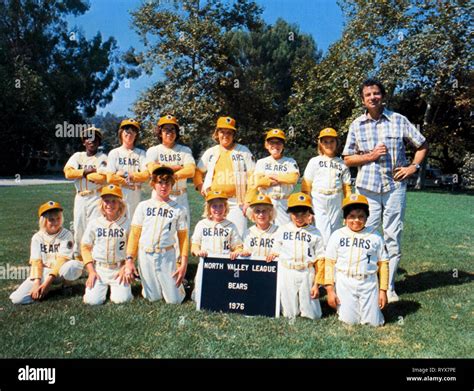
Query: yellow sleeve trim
x=319 y=275
x=72 y=173
x=141 y=176
x=183 y=240
x=60 y=260
x=329 y=266
x=133 y=239
x=383 y=275
x=115 y=179
x=36 y=268
x=188 y=171
x=263 y=181
x=306 y=186
x=198 y=177
x=86 y=252
x=347 y=190
x=97 y=178
x=288 y=179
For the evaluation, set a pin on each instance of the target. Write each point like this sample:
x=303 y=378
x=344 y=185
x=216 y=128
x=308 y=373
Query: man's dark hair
x=372 y=82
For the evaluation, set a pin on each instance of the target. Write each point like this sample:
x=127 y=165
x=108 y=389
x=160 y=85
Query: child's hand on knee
x=315 y=291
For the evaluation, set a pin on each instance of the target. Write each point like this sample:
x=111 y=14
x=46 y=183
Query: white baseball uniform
x=279 y=194
x=243 y=165
x=215 y=238
x=87 y=192
x=356 y=256
x=327 y=176
x=49 y=254
x=179 y=155
x=159 y=223
x=298 y=249
x=108 y=241
x=128 y=161
x=259 y=242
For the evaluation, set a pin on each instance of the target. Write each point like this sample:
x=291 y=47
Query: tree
x=49 y=75
x=262 y=63
x=420 y=49
x=186 y=40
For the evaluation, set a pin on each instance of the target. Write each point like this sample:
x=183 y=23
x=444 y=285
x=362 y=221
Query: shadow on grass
x=76 y=288
x=432 y=279
x=396 y=312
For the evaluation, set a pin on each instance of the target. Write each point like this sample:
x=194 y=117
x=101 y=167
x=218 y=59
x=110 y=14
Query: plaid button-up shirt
x=391 y=129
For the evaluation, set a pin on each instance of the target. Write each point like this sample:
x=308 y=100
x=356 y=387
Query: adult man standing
x=375 y=144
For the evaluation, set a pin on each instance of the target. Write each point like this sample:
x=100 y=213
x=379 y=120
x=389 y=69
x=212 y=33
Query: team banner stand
x=247 y=286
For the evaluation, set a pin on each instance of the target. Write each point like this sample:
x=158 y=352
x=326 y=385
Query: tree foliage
x=49 y=75
x=218 y=59
x=420 y=49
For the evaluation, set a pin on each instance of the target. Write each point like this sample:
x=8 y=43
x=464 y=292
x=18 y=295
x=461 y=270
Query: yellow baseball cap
x=131 y=122
x=261 y=199
x=47 y=206
x=168 y=119
x=212 y=195
x=299 y=199
x=275 y=133
x=355 y=199
x=111 y=190
x=226 y=123
x=159 y=169
x=327 y=132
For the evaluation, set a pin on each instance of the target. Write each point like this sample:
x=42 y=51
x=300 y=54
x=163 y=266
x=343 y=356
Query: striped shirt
x=391 y=129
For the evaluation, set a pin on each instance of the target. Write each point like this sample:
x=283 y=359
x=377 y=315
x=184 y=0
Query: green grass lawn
x=434 y=318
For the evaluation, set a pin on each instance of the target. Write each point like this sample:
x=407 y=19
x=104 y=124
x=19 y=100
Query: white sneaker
x=392 y=296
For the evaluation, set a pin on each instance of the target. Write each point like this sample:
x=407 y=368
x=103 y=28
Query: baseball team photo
x=245 y=179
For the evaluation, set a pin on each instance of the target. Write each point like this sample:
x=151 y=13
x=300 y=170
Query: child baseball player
x=50 y=256
x=300 y=251
x=354 y=254
x=326 y=178
x=214 y=234
x=87 y=169
x=227 y=167
x=177 y=156
x=155 y=225
x=126 y=165
x=260 y=238
x=275 y=175
x=104 y=249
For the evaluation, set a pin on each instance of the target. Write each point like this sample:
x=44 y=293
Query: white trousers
x=295 y=293
x=359 y=300
x=86 y=208
x=237 y=216
x=119 y=293
x=131 y=198
x=156 y=270
x=22 y=295
x=327 y=214
x=387 y=210
x=282 y=217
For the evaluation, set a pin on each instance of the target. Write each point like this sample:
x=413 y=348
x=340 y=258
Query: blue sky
x=320 y=18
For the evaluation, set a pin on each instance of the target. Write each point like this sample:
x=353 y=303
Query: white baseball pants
x=327 y=214
x=119 y=293
x=359 y=300
x=156 y=271
x=86 y=208
x=295 y=293
x=22 y=295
